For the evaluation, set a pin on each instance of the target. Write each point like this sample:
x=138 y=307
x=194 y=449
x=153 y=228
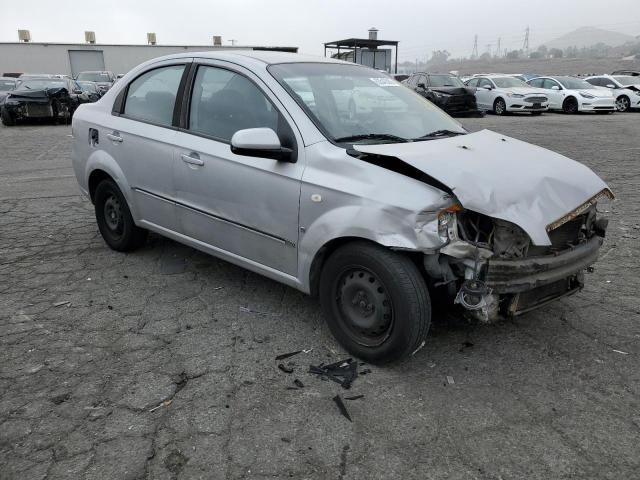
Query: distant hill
x=588 y=36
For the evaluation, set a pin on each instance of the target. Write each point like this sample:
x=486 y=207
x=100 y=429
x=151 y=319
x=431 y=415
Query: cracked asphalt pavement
x=160 y=364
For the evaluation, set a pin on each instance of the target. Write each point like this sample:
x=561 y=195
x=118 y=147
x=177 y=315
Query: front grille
x=37 y=110
x=535 y=99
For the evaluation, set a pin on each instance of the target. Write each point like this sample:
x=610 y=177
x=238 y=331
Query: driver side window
x=549 y=84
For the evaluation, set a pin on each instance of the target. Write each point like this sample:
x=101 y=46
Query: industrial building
x=366 y=51
x=73 y=58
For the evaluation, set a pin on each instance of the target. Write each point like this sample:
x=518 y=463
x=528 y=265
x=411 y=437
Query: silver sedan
x=336 y=180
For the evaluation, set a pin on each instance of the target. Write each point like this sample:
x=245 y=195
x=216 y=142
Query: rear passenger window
x=152 y=96
x=224 y=102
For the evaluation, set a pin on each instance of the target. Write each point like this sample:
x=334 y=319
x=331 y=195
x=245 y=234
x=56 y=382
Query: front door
x=556 y=95
x=246 y=206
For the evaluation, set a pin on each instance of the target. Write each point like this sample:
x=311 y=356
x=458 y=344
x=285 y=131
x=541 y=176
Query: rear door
x=142 y=136
x=243 y=205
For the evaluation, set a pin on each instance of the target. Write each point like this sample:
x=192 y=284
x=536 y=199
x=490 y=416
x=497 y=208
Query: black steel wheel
x=499 y=107
x=375 y=301
x=114 y=218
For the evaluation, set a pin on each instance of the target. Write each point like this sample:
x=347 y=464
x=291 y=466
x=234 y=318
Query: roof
x=262 y=56
x=360 y=43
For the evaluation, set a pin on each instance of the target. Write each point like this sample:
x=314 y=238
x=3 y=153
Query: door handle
x=114 y=137
x=192 y=159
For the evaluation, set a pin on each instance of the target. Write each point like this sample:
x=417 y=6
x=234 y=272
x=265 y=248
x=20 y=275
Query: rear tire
x=570 y=105
x=375 y=301
x=499 y=107
x=114 y=219
x=7 y=118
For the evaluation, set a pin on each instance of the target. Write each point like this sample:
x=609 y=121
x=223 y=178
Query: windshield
x=571 y=83
x=627 y=80
x=444 y=81
x=41 y=84
x=88 y=86
x=509 y=82
x=7 y=85
x=349 y=101
x=94 y=77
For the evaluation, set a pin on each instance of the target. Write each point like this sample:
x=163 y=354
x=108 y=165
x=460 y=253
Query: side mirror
x=610 y=85
x=260 y=142
x=487 y=87
x=555 y=87
x=422 y=85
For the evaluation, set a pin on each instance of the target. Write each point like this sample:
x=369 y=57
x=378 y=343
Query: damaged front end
x=491 y=268
x=47 y=103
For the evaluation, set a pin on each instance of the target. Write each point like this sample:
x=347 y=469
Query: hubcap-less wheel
x=113 y=214
x=622 y=104
x=364 y=306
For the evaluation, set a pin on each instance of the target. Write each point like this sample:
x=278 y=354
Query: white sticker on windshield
x=385 y=82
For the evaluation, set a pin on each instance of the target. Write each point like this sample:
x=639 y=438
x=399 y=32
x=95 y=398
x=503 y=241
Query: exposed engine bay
x=492 y=269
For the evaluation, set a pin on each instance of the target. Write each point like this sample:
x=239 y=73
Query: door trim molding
x=213 y=216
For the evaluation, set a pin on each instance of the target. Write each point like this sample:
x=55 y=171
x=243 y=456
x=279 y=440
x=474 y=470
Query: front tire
x=7 y=118
x=570 y=105
x=622 y=103
x=375 y=301
x=499 y=107
x=114 y=219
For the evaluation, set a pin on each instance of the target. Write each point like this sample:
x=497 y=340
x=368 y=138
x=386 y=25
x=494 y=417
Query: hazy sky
x=420 y=26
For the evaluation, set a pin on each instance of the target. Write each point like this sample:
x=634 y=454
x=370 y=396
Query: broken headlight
x=447 y=222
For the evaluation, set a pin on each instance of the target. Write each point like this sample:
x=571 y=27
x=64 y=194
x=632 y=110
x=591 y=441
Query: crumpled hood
x=502 y=177
x=38 y=94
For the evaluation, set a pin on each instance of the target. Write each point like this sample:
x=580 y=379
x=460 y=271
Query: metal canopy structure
x=353 y=44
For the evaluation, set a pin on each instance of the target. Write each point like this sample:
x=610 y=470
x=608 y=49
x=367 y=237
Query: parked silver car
x=258 y=158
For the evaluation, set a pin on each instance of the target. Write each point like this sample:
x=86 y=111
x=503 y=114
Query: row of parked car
x=48 y=96
x=505 y=93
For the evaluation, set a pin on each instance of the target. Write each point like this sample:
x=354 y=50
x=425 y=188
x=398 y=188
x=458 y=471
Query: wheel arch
x=99 y=166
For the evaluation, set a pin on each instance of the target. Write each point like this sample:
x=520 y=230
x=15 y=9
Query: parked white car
x=625 y=88
x=502 y=94
x=573 y=95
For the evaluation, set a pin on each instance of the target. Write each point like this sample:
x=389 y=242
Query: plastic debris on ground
x=342 y=407
x=343 y=372
x=355 y=397
x=450 y=380
x=285 y=368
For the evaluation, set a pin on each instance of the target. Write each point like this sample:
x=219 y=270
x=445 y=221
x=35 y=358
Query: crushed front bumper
x=523 y=274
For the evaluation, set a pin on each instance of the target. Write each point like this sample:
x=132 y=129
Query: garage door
x=84 y=60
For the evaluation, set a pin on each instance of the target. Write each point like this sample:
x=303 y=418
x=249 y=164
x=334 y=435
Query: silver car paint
x=339 y=196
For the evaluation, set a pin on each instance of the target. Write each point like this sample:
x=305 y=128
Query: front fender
x=391 y=227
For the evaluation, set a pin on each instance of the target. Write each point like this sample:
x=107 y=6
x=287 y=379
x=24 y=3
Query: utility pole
x=474 y=54
x=498 y=50
x=525 y=45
